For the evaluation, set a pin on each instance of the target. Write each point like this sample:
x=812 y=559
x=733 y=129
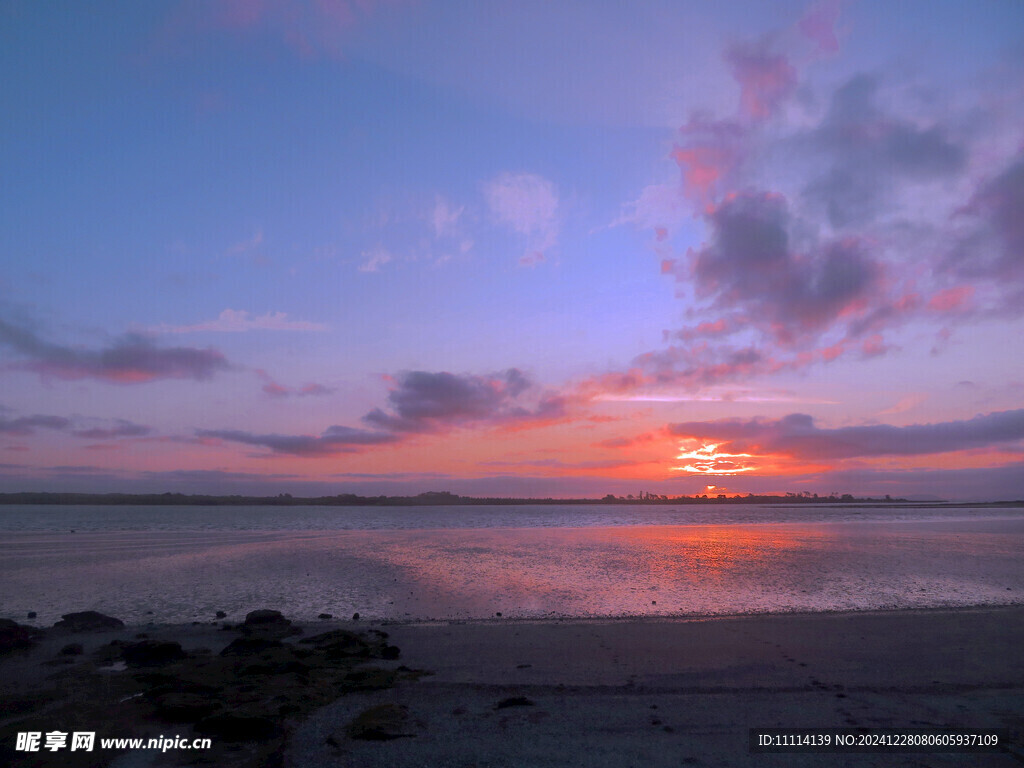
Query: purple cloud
x=796 y=435
x=869 y=154
x=429 y=402
x=422 y=402
x=827 y=233
x=766 y=79
x=26 y=425
x=133 y=359
x=1003 y=199
x=334 y=440
x=121 y=428
x=996 y=248
x=702 y=365
x=750 y=264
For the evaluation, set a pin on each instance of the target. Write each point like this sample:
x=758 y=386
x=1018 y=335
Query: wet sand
x=671 y=693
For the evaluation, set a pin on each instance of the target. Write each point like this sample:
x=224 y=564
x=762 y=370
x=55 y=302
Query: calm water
x=184 y=563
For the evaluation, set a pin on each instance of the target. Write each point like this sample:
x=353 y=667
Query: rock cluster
x=245 y=697
x=381 y=723
x=88 y=621
x=15 y=636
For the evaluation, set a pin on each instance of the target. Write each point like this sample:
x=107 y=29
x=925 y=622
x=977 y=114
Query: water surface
x=184 y=563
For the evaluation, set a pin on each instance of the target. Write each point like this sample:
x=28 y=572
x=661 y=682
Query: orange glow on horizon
x=707 y=460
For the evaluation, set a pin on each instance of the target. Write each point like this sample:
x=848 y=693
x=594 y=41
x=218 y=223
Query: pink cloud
x=709 y=152
x=709 y=328
x=765 y=79
x=702 y=168
x=819 y=25
x=528 y=204
x=952 y=299
x=660 y=207
x=239 y=320
x=830 y=353
x=274 y=389
x=309 y=28
x=684 y=369
x=874 y=345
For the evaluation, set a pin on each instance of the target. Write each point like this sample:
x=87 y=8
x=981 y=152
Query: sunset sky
x=517 y=248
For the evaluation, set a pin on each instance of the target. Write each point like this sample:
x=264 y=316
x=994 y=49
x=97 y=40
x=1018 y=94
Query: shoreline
x=680 y=618
x=373 y=622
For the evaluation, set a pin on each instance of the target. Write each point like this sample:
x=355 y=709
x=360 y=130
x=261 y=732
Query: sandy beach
x=651 y=692
x=670 y=693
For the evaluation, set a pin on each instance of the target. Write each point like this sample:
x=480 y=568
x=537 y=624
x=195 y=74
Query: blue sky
x=514 y=248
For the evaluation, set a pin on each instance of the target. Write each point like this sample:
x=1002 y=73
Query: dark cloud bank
x=420 y=403
x=133 y=359
x=796 y=435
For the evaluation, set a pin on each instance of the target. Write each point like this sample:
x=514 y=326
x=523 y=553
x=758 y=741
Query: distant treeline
x=422 y=499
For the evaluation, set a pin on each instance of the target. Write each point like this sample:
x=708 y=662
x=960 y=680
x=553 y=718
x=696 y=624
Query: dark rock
x=108 y=654
x=31 y=614
x=274 y=658
x=13 y=635
x=151 y=653
x=183 y=706
x=264 y=616
x=372 y=679
x=237 y=726
x=341 y=644
x=72 y=649
x=498 y=614
x=355 y=616
x=514 y=701
x=381 y=723
x=88 y=621
x=220 y=615
x=269 y=624
x=249 y=646
x=25 y=702
x=325 y=616
x=286 y=666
